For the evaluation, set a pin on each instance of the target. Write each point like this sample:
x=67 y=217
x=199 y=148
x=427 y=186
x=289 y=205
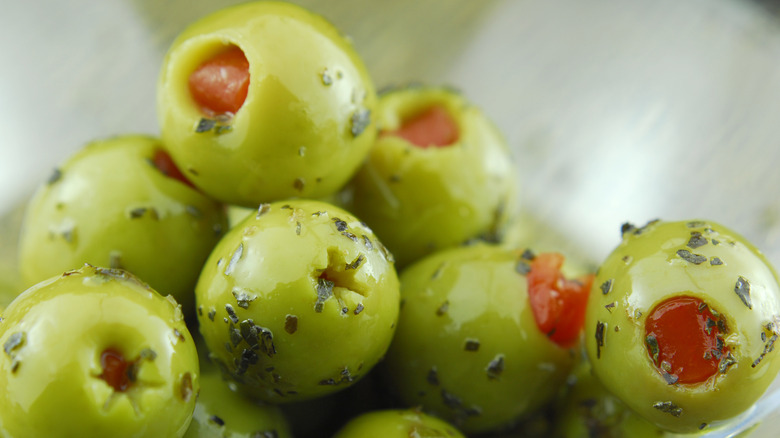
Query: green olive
x=397 y=423
x=111 y=205
x=589 y=410
x=681 y=323
x=297 y=301
x=221 y=412
x=96 y=352
x=305 y=124
x=421 y=199
x=467 y=347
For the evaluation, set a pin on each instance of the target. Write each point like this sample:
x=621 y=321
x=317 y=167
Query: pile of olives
x=298 y=255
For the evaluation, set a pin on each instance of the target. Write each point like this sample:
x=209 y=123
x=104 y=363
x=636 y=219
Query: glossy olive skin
x=646 y=269
x=306 y=123
x=108 y=205
x=297 y=301
x=223 y=413
x=396 y=423
x=419 y=200
x=467 y=348
x=50 y=382
x=589 y=410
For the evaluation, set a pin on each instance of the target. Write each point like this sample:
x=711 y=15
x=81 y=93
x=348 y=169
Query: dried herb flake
x=355 y=263
x=443 y=308
x=360 y=120
x=742 y=289
x=471 y=345
x=205 y=125
x=243 y=298
x=324 y=291
x=231 y=313
x=669 y=408
x=606 y=287
x=600 y=329
x=55 y=176
x=690 y=257
x=696 y=240
x=291 y=324
x=433 y=376
x=652 y=346
x=14 y=342
x=262 y=209
x=495 y=367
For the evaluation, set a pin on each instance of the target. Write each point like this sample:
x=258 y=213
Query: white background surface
x=616 y=110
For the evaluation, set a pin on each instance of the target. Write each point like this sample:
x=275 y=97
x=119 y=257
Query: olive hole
x=433 y=126
x=342 y=274
x=219 y=85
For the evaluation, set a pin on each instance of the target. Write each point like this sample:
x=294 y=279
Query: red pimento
x=115 y=370
x=220 y=84
x=558 y=304
x=163 y=162
x=432 y=127
x=684 y=339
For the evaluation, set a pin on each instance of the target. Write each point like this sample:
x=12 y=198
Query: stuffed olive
x=682 y=321
x=439 y=174
x=297 y=301
x=397 y=423
x=121 y=203
x=265 y=101
x=476 y=342
x=95 y=352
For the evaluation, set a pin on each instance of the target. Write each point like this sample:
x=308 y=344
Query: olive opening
x=219 y=85
x=684 y=338
x=434 y=126
x=118 y=373
x=164 y=163
x=339 y=279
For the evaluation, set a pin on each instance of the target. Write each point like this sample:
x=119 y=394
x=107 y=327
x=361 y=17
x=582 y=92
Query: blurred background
x=616 y=111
